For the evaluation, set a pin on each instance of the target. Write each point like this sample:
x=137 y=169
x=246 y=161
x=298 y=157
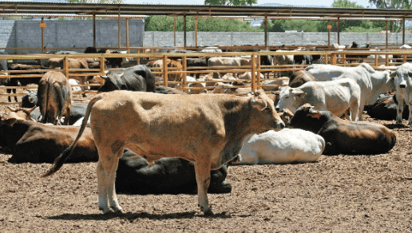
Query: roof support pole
x=266 y=32
x=338 y=30
x=119 y=30
x=174 y=32
x=328 y=34
x=403 y=31
x=43 y=49
x=387 y=35
x=94 y=30
x=127 y=35
x=184 y=34
x=196 y=31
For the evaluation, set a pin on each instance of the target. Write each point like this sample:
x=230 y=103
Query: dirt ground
x=335 y=194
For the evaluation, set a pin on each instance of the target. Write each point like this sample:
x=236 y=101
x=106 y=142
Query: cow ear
x=314 y=113
x=298 y=92
x=9 y=121
x=393 y=74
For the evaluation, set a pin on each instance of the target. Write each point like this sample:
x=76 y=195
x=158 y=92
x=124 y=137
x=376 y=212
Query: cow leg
x=354 y=111
x=399 y=111
x=67 y=116
x=202 y=170
x=360 y=113
x=106 y=174
x=410 y=111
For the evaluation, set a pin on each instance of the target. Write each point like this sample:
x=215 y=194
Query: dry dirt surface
x=336 y=194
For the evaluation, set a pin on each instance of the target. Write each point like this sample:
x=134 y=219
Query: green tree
x=96 y=1
x=205 y=24
x=231 y=2
x=393 y=4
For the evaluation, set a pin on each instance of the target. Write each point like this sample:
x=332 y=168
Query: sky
x=320 y=3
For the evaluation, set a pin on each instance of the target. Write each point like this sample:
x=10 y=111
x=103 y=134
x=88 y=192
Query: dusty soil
x=336 y=194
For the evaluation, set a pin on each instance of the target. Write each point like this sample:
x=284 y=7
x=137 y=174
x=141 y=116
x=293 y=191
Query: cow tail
x=59 y=161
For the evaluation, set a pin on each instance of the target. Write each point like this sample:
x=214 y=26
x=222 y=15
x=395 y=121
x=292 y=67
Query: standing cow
x=403 y=84
x=336 y=96
x=208 y=130
x=54 y=95
x=135 y=78
x=372 y=83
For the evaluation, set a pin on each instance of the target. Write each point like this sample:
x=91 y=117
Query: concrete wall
x=165 y=39
x=79 y=33
x=70 y=33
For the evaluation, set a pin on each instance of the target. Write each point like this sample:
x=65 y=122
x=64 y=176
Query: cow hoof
x=105 y=211
x=208 y=212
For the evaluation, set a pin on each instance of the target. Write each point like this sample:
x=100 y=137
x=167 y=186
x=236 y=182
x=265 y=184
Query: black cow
x=22 y=81
x=308 y=59
x=344 y=137
x=114 y=62
x=196 y=62
x=29 y=100
x=30 y=141
x=385 y=108
x=165 y=176
x=135 y=78
x=362 y=56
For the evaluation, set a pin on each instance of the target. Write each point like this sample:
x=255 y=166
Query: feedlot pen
x=181 y=83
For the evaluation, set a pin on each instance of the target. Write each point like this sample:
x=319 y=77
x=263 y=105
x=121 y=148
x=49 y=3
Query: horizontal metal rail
x=329 y=57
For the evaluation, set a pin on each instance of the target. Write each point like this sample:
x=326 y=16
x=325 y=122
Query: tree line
x=209 y=24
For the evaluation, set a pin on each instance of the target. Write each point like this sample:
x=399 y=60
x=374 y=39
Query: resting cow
x=30 y=141
x=372 y=83
x=208 y=130
x=285 y=146
x=403 y=94
x=135 y=78
x=167 y=175
x=54 y=95
x=386 y=108
x=344 y=137
x=336 y=96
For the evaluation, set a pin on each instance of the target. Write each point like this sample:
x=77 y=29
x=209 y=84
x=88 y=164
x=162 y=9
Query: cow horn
x=11 y=108
x=103 y=77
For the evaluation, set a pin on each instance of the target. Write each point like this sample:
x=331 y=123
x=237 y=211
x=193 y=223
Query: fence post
x=252 y=63
x=184 y=63
x=333 y=59
x=258 y=72
x=165 y=78
x=66 y=67
x=325 y=58
x=102 y=63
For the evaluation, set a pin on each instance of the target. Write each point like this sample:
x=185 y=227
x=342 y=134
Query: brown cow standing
x=54 y=95
x=208 y=130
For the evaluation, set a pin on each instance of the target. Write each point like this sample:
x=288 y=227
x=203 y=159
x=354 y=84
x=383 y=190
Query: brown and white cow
x=300 y=77
x=207 y=129
x=344 y=137
x=54 y=95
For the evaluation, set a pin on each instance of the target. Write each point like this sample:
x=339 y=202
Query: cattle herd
x=148 y=138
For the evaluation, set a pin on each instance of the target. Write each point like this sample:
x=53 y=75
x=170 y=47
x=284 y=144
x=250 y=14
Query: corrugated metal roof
x=88 y=9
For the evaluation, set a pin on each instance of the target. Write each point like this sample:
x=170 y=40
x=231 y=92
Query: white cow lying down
x=285 y=146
